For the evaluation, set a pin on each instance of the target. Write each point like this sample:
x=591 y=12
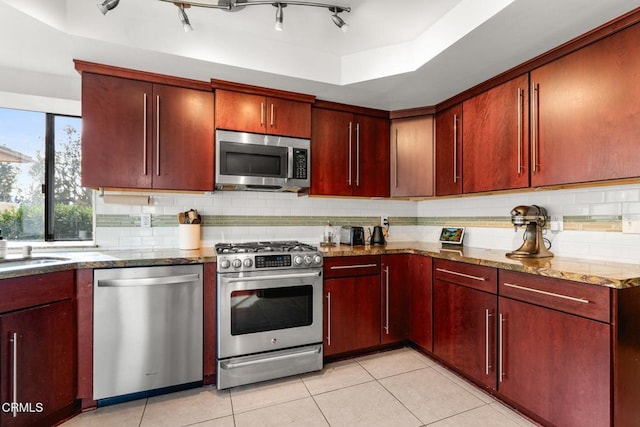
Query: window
x=40 y=193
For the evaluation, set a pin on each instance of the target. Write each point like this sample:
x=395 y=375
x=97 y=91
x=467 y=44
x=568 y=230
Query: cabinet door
x=331 y=153
x=585 y=113
x=412 y=167
x=556 y=365
x=116 y=132
x=495 y=138
x=352 y=314
x=371 y=156
x=288 y=118
x=395 y=289
x=43 y=368
x=449 y=151
x=465 y=330
x=242 y=112
x=182 y=139
x=420 y=301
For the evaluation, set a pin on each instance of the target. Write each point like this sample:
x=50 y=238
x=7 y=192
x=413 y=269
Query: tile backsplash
x=591 y=219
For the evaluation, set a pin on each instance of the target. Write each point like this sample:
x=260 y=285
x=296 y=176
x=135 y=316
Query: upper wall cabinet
x=449 y=151
x=144 y=135
x=253 y=109
x=349 y=154
x=495 y=138
x=585 y=113
x=412 y=167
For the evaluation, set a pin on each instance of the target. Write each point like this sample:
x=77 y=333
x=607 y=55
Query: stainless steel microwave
x=250 y=161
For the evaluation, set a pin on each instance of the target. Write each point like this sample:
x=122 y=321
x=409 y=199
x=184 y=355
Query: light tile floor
x=393 y=388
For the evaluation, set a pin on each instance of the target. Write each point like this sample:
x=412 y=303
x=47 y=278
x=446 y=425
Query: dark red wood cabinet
x=138 y=134
x=350 y=154
x=464 y=319
x=584 y=113
x=247 y=112
x=395 y=287
x=420 y=302
x=352 y=304
x=495 y=138
x=448 y=170
x=38 y=350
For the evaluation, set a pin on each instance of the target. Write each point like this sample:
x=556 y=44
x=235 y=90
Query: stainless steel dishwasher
x=147 y=328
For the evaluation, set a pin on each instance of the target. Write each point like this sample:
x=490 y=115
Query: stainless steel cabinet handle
x=349 y=157
x=144 y=135
x=487 y=363
x=273 y=115
x=386 y=326
x=158 y=135
x=534 y=127
x=357 y=154
x=455 y=273
x=14 y=373
x=344 y=267
x=552 y=294
x=262 y=114
x=148 y=281
x=501 y=373
x=519 y=139
x=329 y=319
x=455 y=148
x=396 y=162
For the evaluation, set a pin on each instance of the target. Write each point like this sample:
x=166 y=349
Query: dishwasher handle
x=148 y=281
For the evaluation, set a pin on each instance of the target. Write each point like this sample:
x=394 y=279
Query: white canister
x=189 y=236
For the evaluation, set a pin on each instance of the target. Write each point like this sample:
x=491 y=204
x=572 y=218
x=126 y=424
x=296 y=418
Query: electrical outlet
x=145 y=220
x=631 y=223
x=557 y=223
x=384 y=220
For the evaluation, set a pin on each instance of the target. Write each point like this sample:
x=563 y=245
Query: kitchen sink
x=30 y=261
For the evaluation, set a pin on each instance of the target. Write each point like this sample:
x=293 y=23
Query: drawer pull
x=344 y=267
x=552 y=294
x=468 y=276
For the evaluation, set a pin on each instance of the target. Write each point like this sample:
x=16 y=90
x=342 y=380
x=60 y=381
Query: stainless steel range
x=269 y=311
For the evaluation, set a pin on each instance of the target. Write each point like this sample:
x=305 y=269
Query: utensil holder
x=189 y=236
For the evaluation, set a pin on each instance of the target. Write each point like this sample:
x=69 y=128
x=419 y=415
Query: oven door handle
x=292 y=355
x=272 y=277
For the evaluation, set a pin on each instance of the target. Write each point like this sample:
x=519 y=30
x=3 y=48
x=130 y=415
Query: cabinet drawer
x=352 y=266
x=473 y=276
x=571 y=297
x=29 y=291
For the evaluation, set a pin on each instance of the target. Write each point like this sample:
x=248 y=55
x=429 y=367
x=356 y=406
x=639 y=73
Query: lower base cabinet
x=38 y=365
x=420 y=305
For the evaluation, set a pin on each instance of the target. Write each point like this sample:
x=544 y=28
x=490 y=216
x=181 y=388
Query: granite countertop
x=601 y=273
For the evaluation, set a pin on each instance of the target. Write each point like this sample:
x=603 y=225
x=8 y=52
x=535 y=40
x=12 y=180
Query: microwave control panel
x=300 y=162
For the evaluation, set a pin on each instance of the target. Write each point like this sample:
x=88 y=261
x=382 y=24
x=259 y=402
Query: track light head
x=186 y=25
x=279 y=16
x=338 y=20
x=106 y=5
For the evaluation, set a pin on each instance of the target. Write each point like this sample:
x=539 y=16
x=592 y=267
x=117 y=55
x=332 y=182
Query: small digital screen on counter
x=267 y=261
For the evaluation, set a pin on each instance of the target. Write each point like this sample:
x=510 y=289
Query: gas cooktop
x=252 y=247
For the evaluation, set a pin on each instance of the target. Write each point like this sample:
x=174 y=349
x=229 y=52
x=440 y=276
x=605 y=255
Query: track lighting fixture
x=237 y=5
x=107 y=5
x=279 y=16
x=186 y=25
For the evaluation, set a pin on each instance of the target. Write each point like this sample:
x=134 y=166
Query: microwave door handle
x=289 y=162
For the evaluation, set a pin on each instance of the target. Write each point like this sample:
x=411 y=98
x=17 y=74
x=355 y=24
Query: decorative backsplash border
x=612 y=223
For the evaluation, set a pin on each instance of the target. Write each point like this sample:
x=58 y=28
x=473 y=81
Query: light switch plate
x=557 y=223
x=145 y=220
x=631 y=223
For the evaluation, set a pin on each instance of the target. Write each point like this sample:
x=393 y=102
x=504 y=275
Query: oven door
x=268 y=310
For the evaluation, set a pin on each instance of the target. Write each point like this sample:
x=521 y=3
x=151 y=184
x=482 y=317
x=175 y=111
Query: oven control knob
x=317 y=259
x=247 y=262
x=307 y=259
x=225 y=263
x=297 y=260
x=236 y=263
